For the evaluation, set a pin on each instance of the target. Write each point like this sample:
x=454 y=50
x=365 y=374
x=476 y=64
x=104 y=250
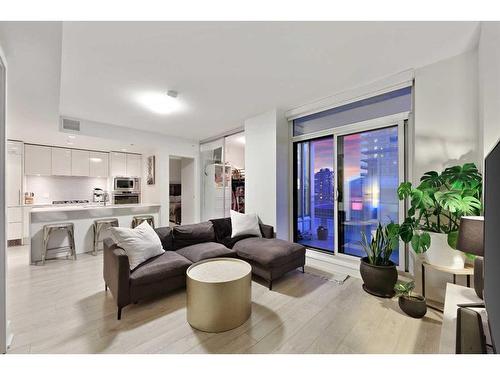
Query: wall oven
x=126 y=197
x=126 y=184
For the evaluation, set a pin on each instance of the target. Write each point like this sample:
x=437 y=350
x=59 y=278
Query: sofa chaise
x=184 y=245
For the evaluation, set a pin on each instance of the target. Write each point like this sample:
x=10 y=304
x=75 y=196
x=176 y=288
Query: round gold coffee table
x=219 y=294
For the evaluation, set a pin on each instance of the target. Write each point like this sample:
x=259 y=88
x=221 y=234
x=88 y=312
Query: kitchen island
x=82 y=217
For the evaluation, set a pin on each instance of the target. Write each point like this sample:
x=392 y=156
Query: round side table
x=219 y=294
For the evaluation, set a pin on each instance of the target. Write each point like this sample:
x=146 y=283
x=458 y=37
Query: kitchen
x=49 y=185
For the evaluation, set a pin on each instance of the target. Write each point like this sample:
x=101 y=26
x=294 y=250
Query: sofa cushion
x=187 y=235
x=162 y=267
x=206 y=250
x=229 y=242
x=269 y=252
x=140 y=243
x=222 y=228
x=166 y=237
x=244 y=224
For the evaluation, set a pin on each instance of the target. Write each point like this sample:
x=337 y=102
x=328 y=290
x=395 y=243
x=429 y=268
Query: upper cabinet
x=126 y=165
x=14 y=173
x=80 y=163
x=134 y=163
x=61 y=161
x=118 y=164
x=99 y=164
x=37 y=160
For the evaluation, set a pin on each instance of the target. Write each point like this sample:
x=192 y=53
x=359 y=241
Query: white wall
x=162 y=147
x=446 y=114
x=34 y=49
x=446 y=130
x=266 y=170
x=188 y=176
x=175 y=170
x=489 y=84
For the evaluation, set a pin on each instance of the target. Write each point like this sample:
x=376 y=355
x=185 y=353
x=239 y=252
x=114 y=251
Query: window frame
x=402 y=121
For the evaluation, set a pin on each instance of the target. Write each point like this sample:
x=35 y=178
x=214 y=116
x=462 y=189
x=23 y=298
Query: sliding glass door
x=345 y=183
x=368 y=171
x=314 y=195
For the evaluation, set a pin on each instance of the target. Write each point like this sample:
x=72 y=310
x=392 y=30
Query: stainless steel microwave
x=126 y=184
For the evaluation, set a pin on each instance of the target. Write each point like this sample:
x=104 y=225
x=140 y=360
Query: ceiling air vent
x=70 y=125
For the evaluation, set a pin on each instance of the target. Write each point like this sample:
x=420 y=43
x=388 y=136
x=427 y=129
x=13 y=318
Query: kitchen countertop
x=87 y=207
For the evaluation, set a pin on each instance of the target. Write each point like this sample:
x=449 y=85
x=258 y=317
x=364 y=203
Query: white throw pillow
x=140 y=243
x=244 y=224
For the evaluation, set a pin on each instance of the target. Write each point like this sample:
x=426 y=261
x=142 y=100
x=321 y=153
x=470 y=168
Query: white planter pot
x=441 y=254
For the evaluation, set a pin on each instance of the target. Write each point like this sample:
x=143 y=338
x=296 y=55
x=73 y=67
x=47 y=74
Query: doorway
x=223 y=176
x=181 y=190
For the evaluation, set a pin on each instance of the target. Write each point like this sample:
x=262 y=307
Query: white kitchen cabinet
x=15 y=223
x=37 y=160
x=118 y=164
x=61 y=161
x=99 y=164
x=15 y=231
x=14 y=173
x=80 y=163
x=14 y=214
x=134 y=163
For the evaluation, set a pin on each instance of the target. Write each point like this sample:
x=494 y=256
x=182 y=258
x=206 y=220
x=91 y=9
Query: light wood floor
x=62 y=308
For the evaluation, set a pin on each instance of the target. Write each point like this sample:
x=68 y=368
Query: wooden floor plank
x=62 y=308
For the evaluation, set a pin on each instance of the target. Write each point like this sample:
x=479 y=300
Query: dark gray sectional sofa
x=184 y=245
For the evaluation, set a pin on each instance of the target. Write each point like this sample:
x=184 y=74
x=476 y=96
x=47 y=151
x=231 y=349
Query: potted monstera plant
x=378 y=272
x=435 y=208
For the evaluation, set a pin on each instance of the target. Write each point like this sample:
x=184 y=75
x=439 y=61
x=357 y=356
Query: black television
x=492 y=242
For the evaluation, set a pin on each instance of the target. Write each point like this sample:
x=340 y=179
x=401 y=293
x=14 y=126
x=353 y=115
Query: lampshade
x=470 y=235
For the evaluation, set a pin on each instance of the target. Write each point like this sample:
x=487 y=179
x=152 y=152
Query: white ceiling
x=226 y=72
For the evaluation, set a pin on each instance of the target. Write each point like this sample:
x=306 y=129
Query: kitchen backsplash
x=58 y=188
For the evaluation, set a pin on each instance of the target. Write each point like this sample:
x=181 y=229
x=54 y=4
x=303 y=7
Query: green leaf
x=431 y=179
x=404 y=190
x=406 y=230
x=452 y=239
x=460 y=177
x=471 y=205
x=416 y=197
x=425 y=241
x=449 y=200
x=420 y=242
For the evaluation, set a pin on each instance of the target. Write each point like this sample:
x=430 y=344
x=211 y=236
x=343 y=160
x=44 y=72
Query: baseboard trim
x=332 y=263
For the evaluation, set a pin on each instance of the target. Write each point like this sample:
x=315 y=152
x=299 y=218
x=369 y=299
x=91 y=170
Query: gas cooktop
x=74 y=201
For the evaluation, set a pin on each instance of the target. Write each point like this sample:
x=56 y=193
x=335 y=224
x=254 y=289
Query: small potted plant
x=412 y=304
x=322 y=233
x=378 y=272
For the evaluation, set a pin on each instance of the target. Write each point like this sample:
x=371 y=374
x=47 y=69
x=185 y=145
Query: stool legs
x=48 y=230
x=72 y=241
x=46 y=233
x=98 y=228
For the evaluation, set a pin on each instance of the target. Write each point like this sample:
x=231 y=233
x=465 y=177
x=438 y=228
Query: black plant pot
x=413 y=306
x=378 y=280
x=322 y=233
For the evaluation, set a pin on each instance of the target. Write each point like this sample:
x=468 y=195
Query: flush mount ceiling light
x=160 y=103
